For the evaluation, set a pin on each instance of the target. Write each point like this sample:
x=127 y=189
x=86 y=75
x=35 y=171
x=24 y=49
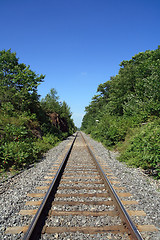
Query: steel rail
x=127 y=222
x=36 y=226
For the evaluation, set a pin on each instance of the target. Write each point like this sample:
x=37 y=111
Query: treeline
x=28 y=126
x=125 y=113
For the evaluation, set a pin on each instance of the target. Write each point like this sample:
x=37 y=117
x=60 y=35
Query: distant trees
x=126 y=100
x=134 y=90
x=26 y=129
x=51 y=104
x=137 y=87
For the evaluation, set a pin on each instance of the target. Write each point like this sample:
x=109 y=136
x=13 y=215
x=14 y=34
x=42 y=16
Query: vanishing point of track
x=83 y=185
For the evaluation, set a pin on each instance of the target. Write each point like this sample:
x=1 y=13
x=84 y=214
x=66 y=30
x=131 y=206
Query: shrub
x=143 y=149
x=50 y=139
x=110 y=130
x=46 y=143
x=17 y=154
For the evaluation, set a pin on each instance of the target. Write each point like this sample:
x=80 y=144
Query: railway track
x=78 y=198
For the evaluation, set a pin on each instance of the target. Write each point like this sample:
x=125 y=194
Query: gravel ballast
x=14 y=191
x=144 y=190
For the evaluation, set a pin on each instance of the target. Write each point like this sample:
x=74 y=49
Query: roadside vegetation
x=125 y=113
x=28 y=126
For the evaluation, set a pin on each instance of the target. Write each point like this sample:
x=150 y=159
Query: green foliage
x=15 y=133
x=50 y=102
x=127 y=100
x=143 y=149
x=26 y=130
x=50 y=139
x=112 y=130
x=18 y=84
x=17 y=154
x=46 y=143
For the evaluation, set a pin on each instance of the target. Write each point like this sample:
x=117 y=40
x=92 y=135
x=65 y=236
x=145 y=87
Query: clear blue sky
x=78 y=44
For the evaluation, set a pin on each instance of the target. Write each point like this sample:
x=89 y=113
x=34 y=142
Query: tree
x=133 y=92
x=26 y=127
x=50 y=102
x=18 y=83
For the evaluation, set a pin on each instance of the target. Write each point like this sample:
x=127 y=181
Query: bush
x=111 y=130
x=46 y=143
x=23 y=119
x=17 y=154
x=143 y=149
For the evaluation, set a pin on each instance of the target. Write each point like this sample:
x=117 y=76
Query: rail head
x=133 y=231
x=37 y=223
